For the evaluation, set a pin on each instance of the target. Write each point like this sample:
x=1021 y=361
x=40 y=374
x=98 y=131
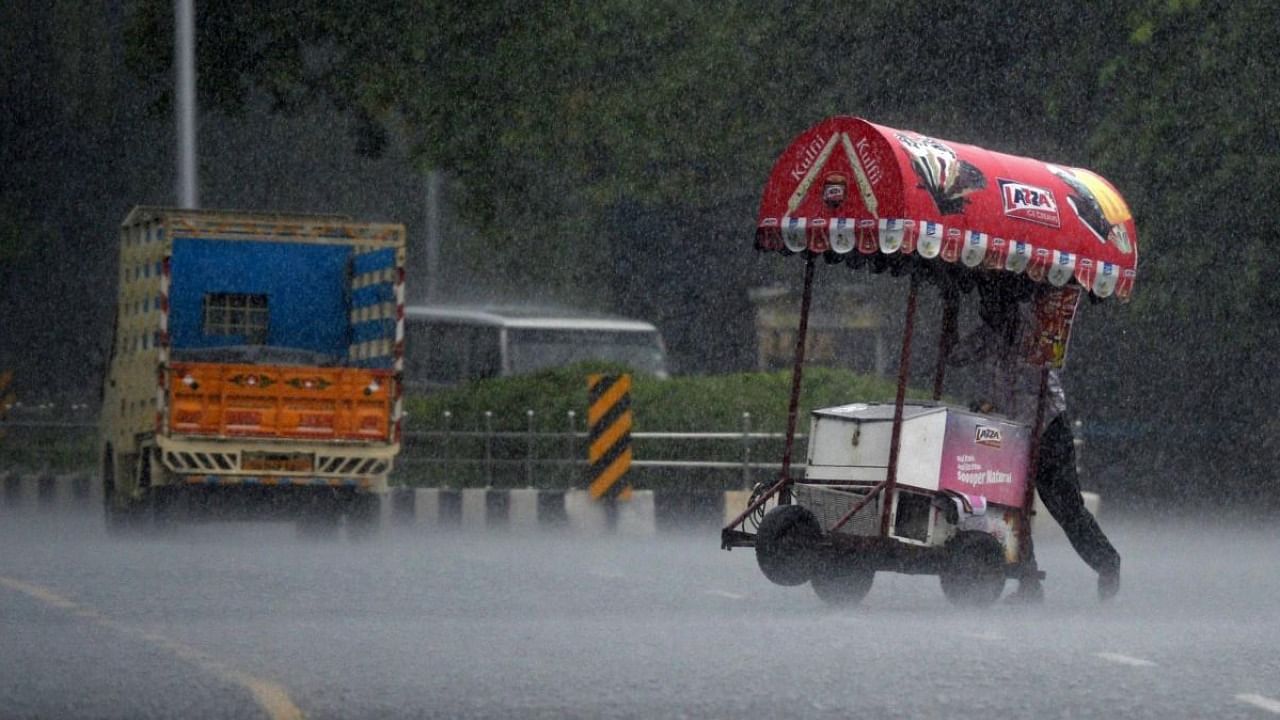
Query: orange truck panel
x=268 y=401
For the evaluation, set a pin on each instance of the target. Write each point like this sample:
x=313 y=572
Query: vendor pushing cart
x=929 y=488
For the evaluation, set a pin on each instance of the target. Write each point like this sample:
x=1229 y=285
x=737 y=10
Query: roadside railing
x=48 y=445
x=484 y=456
x=455 y=455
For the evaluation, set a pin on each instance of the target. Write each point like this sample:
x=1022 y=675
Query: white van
x=446 y=345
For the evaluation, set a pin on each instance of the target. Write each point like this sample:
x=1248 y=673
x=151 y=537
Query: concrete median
x=48 y=492
x=518 y=509
x=422 y=508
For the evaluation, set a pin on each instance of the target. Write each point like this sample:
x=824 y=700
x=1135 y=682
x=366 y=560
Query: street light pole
x=184 y=46
x=435 y=181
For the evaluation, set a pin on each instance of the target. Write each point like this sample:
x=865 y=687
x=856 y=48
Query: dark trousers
x=1059 y=488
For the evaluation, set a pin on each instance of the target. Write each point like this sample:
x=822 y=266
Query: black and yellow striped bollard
x=609 y=451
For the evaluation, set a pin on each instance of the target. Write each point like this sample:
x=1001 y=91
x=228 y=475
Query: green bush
x=711 y=403
x=51 y=448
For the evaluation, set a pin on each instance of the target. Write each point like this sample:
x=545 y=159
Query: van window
x=445 y=353
x=535 y=349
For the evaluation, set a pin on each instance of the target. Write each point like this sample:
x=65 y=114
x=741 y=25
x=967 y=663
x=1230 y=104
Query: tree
x=1188 y=125
x=613 y=151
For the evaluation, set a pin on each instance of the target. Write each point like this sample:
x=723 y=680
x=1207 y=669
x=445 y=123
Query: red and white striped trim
x=932 y=240
x=397 y=412
x=162 y=348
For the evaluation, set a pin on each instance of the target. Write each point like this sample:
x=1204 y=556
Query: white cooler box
x=978 y=460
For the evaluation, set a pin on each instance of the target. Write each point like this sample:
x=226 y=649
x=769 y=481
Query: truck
x=255 y=365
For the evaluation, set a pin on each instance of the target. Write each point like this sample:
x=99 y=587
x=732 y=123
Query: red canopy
x=847 y=184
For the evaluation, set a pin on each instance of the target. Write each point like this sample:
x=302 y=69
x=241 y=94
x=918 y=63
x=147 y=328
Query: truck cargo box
x=254 y=347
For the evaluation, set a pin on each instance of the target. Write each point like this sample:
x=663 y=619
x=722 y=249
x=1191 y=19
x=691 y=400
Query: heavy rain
x=423 y=360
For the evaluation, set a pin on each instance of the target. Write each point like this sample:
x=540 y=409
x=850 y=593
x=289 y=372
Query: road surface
x=247 y=620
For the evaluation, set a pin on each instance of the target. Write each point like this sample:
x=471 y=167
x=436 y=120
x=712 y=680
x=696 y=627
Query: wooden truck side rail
x=217 y=400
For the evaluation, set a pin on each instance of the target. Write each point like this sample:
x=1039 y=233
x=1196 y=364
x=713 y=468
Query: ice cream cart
x=924 y=487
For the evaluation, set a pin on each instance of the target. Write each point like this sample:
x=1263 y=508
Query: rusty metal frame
x=950 y=320
x=895 y=438
x=729 y=535
x=1033 y=464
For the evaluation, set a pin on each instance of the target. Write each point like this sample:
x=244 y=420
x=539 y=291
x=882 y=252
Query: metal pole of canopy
x=895 y=439
x=780 y=488
x=1033 y=463
x=950 y=316
x=797 y=373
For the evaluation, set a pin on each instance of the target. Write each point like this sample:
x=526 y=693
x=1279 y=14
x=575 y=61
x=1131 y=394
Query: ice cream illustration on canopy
x=1098 y=206
x=946 y=177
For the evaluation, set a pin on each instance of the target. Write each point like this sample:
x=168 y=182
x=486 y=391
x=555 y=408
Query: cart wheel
x=974 y=574
x=786 y=545
x=842 y=582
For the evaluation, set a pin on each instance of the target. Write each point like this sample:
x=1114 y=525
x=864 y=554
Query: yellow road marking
x=270 y=696
x=47 y=597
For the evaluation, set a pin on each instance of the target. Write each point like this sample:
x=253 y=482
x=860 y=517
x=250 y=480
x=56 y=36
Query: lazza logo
x=989 y=436
x=1028 y=202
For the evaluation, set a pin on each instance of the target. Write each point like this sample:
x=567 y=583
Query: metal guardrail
x=570 y=441
x=47 y=444
x=573 y=455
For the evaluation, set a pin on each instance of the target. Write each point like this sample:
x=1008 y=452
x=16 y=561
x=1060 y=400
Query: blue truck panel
x=305 y=286
x=373 y=295
x=372 y=330
x=373 y=261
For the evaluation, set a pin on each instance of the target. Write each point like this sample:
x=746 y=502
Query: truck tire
x=165 y=506
x=158 y=510
x=787 y=545
x=364 y=516
x=842 y=581
x=320 y=517
x=118 y=515
x=973 y=575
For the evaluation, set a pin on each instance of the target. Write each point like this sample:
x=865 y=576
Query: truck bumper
x=374 y=485
x=265 y=463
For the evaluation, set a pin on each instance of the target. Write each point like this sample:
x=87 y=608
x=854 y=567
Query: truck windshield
x=536 y=349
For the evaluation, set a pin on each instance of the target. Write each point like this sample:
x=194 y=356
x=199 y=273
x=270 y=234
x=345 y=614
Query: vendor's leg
x=1059 y=488
x=1029 y=591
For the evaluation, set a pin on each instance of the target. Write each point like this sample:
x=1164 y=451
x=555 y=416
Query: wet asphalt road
x=247 y=620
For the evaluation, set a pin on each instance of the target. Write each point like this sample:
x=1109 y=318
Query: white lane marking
x=726 y=594
x=987 y=636
x=1266 y=703
x=270 y=696
x=1124 y=659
